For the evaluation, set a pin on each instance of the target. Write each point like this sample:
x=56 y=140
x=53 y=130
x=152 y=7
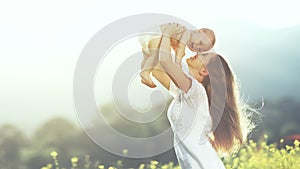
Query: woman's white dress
x=191 y=123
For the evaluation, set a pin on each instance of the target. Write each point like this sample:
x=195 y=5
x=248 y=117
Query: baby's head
x=201 y=40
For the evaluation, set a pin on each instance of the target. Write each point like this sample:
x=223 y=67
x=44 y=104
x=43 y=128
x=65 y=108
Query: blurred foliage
x=11 y=142
x=280 y=119
x=251 y=156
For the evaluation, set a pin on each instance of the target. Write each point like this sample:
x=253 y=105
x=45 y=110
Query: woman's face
x=197 y=65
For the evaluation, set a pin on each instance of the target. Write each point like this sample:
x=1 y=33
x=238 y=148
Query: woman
x=205 y=115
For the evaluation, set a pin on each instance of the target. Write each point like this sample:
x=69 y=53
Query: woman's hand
x=186 y=36
x=178 y=61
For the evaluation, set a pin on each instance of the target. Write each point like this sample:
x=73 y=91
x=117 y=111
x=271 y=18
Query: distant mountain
x=265 y=60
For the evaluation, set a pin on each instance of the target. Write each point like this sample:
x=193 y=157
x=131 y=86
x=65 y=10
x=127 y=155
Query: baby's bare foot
x=149 y=84
x=146 y=79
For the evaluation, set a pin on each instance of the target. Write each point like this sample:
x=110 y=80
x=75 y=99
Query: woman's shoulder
x=196 y=89
x=194 y=80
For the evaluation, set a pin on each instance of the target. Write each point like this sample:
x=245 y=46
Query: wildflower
x=296 y=143
x=124 y=151
x=119 y=162
x=49 y=165
x=53 y=154
x=164 y=167
x=281 y=140
x=74 y=159
x=154 y=162
x=287 y=147
x=171 y=164
x=101 y=166
x=142 y=166
x=263 y=144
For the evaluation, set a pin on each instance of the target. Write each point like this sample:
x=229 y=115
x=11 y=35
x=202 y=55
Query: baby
x=197 y=41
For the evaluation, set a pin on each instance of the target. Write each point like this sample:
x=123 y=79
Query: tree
x=12 y=140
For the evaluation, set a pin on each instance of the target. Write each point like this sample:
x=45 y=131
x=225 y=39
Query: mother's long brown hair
x=231 y=124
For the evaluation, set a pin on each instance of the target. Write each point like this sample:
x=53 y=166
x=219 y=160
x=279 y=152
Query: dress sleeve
x=196 y=89
x=173 y=89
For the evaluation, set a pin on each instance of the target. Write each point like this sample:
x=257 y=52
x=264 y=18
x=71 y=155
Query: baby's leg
x=150 y=61
x=147 y=66
x=146 y=55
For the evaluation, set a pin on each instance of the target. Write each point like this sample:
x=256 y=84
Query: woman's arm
x=173 y=71
x=180 y=50
x=179 y=53
x=161 y=76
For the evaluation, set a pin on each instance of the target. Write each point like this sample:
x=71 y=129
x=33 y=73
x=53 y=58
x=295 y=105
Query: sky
x=42 y=40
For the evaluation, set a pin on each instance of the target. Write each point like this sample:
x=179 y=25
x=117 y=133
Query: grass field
x=254 y=155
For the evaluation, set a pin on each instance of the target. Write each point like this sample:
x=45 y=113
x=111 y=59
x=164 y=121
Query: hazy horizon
x=40 y=49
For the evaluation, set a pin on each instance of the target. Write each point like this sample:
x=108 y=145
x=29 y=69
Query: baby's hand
x=172 y=28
